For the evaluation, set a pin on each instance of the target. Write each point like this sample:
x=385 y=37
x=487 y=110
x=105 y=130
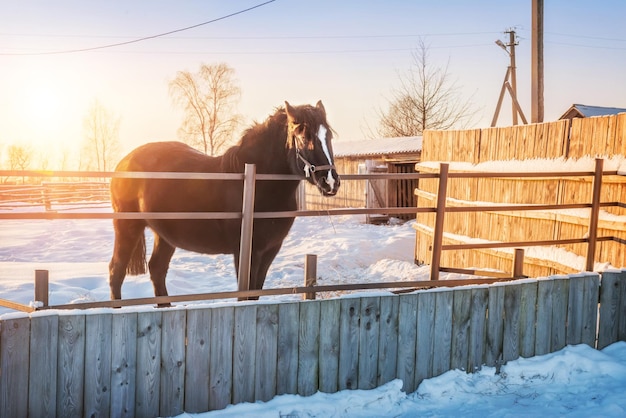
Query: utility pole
x=536 y=73
x=510 y=82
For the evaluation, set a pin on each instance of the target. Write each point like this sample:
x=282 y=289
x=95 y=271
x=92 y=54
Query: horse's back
x=168 y=157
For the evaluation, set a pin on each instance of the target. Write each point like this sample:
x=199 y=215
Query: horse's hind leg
x=128 y=236
x=158 y=265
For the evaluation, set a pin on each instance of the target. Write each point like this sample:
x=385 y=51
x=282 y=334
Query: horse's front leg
x=158 y=265
x=259 y=265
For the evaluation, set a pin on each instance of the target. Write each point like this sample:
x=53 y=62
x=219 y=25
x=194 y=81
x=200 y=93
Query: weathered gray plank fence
x=129 y=363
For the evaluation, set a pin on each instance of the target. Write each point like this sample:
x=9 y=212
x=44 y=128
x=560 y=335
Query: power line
x=266 y=38
x=598 y=38
x=145 y=38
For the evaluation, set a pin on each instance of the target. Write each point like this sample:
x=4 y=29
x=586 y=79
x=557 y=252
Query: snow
x=576 y=381
x=534 y=165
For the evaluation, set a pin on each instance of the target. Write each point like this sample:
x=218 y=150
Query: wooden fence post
x=45 y=196
x=518 y=264
x=247 y=220
x=41 y=286
x=310 y=275
x=595 y=214
x=439 y=218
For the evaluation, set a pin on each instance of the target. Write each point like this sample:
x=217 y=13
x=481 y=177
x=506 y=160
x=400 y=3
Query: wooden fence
x=596 y=137
x=155 y=362
x=58 y=193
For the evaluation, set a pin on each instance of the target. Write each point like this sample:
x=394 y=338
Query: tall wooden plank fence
x=161 y=362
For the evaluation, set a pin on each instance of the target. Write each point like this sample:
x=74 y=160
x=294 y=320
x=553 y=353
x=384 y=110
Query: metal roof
x=381 y=146
x=590 y=111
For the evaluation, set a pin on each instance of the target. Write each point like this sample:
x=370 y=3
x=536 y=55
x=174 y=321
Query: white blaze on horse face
x=321 y=136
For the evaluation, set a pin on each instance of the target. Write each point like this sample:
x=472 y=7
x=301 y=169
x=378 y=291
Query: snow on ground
x=576 y=381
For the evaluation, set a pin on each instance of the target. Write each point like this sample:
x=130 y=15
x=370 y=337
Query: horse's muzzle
x=329 y=184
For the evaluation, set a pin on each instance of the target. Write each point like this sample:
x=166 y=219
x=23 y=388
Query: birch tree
x=209 y=99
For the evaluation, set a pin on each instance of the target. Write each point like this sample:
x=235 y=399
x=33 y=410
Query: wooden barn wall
x=164 y=362
x=598 y=137
x=351 y=193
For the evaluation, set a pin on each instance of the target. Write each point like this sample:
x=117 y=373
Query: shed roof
x=381 y=146
x=584 y=111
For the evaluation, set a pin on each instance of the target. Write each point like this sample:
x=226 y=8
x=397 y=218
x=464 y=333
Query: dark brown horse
x=294 y=140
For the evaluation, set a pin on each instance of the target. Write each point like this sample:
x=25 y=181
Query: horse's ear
x=290 y=111
x=320 y=106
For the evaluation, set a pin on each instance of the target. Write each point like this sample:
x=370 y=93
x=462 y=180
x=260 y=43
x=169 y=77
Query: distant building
x=584 y=111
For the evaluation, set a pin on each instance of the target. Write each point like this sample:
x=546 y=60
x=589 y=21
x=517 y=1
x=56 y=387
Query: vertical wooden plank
x=462 y=302
x=590 y=309
x=511 y=329
x=478 y=331
x=407 y=340
x=609 y=308
x=575 y=309
x=287 y=363
x=221 y=362
x=349 y=343
x=44 y=334
x=266 y=352
x=70 y=365
x=14 y=349
x=425 y=336
x=369 y=335
x=98 y=365
x=173 y=362
x=560 y=298
x=329 y=345
x=543 y=340
x=147 y=393
x=621 y=325
x=495 y=324
x=528 y=319
x=123 y=364
x=244 y=353
x=308 y=350
x=198 y=352
x=388 y=344
x=443 y=331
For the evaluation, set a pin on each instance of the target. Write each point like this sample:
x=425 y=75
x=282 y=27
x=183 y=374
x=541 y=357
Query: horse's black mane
x=246 y=150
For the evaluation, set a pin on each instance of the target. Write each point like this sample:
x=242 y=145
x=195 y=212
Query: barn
x=383 y=155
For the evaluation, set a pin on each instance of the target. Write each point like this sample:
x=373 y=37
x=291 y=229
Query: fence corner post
x=518 y=264
x=439 y=218
x=310 y=275
x=594 y=215
x=41 y=286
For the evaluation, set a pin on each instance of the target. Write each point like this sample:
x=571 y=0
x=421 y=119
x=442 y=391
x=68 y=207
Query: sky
x=350 y=54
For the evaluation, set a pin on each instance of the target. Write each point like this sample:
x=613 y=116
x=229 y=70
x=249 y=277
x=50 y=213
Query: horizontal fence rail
x=439 y=210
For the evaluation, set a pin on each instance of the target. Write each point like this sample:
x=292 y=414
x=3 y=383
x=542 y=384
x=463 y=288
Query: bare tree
x=20 y=157
x=101 y=145
x=426 y=99
x=209 y=99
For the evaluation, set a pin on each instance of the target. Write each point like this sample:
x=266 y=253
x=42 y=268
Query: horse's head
x=310 y=148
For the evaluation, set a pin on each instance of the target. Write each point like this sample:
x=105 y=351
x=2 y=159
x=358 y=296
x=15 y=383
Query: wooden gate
x=376 y=191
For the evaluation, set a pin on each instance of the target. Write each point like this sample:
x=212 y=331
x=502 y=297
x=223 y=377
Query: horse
x=294 y=140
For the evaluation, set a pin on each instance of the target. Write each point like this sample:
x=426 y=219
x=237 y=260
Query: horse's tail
x=137 y=263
